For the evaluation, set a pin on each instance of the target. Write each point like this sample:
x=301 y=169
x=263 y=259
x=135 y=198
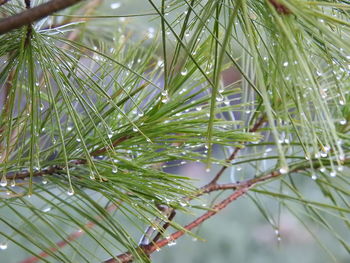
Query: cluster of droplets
x=165 y=96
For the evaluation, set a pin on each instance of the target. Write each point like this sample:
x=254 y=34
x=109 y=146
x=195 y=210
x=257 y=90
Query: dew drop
x=44 y=181
x=115 y=169
x=134 y=129
x=3 y=245
x=184 y=72
x=115 y=5
x=141 y=114
x=70 y=192
x=340 y=168
x=172 y=243
x=3 y=181
x=284 y=170
x=110 y=135
x=313 y=176
x=285 y=64
x=13 y=183
x=333 y=174
x=342 y=122
x=78 y=139
x=47 y=209
x=207 y=170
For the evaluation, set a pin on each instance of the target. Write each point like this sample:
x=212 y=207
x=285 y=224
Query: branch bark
x=30 y=15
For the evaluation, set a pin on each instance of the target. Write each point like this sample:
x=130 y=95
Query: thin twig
x=30 y=15
x=256 y=126
x=2 y=2
x=70 y=238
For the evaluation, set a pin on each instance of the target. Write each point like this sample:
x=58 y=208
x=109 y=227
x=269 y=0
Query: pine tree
x=97 y=114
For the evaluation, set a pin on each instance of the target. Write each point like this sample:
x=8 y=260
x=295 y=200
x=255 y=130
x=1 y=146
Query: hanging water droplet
x=78 y=139
x=140 y=114
x=285 y=64
x=341 y=102
x=313 y=176
x=134 y=129
x=70 y=192
x=110 y=135
x=69 y=128
x=115 y=5
x=44 y=181
x=3 y=181
x=207 y=170
x=115 y=169
x=284 y=170
x=342 y=122
x=333 y=174
x=13 y=183
x=340 y=168
x=219 y=98
x=47 y=209
x=3 y=245
x=172 y=243
x=184 y=72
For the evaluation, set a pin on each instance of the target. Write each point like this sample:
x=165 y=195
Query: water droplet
x=318 y=73
x=313 y=176
x=47 y=209
x=115 y=5
x=78 y=139
x=70 y=192
x=342 y=122
x=172 y=243
x=284 y=170
x=207 y=170
x=110 y=135
x=333 y=174
x=341 y=102
x=3 y=181
x=115 y=169
x=184 y=72
x=13 y=183
x=134 y=129
x=141 y=114
x=3 y=245
x=69 y=128
x=44 y=181
x=285 y=64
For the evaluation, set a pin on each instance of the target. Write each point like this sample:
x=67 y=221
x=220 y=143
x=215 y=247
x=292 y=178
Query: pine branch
x=241 y=189
x=256 y=126
x=70 y=238
x=30 y=15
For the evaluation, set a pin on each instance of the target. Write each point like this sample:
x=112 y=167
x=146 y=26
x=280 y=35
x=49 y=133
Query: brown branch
x=241 y=189
x=73 y=236
x=2 y=2
x=30 y=15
